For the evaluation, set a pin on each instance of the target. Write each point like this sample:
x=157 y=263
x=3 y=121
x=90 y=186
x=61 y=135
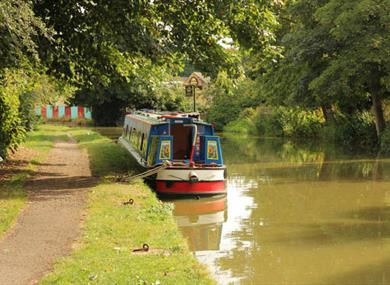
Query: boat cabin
x=177 y=137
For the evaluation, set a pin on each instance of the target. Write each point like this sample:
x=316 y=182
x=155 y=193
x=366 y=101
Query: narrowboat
x=184 y=150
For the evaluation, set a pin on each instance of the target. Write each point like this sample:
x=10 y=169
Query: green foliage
x=281 y=121
x=243 y=125
x=19 y=27
x=300 y=123
x=267 y=122
x=354 y=130
x=96 y=42
x=20 y=91
x=11 y=129
x=385 y=142
x=172 y=98
x=334 y=56
x=118 y=55
x=228 y=98
x=224 y=107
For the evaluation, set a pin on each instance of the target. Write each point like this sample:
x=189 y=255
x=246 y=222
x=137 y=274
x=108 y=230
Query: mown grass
x=106 y=157
x=12 y=193
x=12 y=199
x=112 y=230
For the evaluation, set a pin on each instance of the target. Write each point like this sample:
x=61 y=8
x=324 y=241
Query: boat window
x=142 y=141
x=129 y=134
x=133 y=136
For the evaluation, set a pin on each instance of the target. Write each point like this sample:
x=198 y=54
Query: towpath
x=50 y=223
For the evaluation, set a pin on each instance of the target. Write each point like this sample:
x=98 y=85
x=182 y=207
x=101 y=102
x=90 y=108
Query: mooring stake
x=130 y=202
x=145 y=247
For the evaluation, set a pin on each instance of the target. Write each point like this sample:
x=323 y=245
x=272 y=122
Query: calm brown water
x=294 y=214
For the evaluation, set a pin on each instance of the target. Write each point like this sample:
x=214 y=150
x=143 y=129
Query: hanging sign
x=189 y=91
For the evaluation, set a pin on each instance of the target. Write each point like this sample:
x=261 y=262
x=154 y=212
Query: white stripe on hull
x=174 y=174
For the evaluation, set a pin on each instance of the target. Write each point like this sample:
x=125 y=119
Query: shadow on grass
x=110 y=159
x=60 y=183
x=18 y=170
x=50 y=188
x=44 y=138
x=11 y=193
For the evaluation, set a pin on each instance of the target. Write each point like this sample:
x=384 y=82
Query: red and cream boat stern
x=191 y=180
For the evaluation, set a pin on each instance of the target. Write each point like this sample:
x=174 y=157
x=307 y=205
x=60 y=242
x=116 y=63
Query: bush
x=385 y=141
x=275 y=122
x=26 y=110
x=20 y=90
x=299 y=123
x=268 y=123
x=357 y=130
x=243 y=125
x=228 y=99
x=12 y=131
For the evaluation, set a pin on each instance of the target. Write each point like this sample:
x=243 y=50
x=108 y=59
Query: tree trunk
x=377 y=109
x=328 y=115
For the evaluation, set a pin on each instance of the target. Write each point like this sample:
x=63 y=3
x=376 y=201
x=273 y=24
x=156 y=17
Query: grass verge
x=112 y=230
x=14 y=173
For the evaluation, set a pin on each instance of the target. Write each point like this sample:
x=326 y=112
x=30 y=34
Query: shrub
x=26 y=109
x=299 y=123
x=267 y=122
x=357 y=130
x=12 y=131
x=274 y=122
x=243 y=125
x=228 y=98
x=385 y=141
x=20 y=90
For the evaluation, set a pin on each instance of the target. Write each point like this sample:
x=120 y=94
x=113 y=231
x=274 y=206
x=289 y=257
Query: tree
x=18 y=29
x=105 y=49
x=20 y=90
x=335 y=54
x=361 y=29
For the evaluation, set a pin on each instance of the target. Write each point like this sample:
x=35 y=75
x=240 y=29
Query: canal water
x=294 y=214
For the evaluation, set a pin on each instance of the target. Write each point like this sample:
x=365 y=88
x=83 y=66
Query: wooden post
x=193 y=94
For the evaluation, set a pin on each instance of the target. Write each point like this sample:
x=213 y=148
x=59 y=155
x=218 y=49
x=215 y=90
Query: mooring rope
x=150 y=172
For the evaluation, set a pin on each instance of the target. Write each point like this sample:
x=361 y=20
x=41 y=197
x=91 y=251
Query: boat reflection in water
x=201 y=221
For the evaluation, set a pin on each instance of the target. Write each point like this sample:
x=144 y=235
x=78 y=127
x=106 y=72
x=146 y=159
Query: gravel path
x=50 y=224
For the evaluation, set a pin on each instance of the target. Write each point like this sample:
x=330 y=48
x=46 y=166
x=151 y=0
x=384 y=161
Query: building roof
x=197 y=79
